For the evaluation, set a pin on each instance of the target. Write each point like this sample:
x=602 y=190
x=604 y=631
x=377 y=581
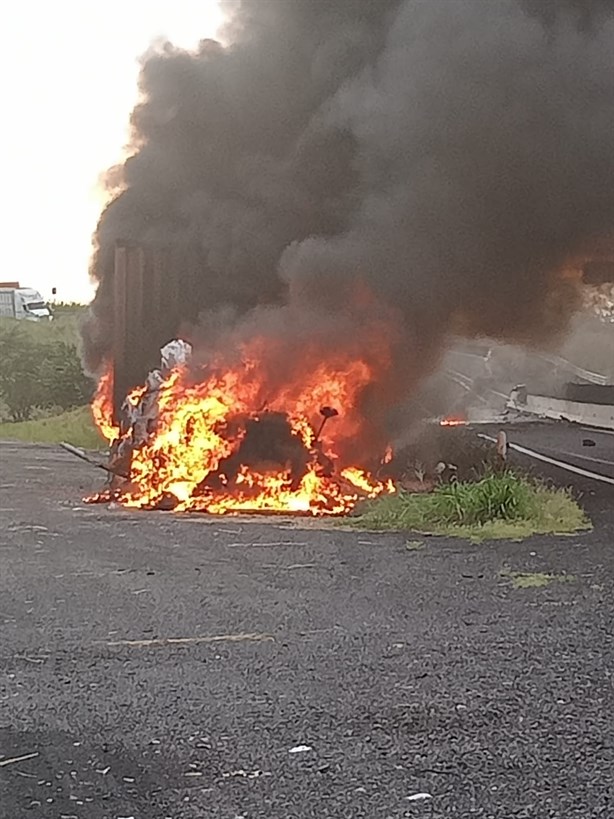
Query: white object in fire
x=146 y=410
x=176 y=353
x=141 y=416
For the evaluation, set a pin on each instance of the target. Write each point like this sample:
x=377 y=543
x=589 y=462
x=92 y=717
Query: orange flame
x=102 y=407
x=453 y=421
x=361 y=480
x=197 y=429
x=135 y=395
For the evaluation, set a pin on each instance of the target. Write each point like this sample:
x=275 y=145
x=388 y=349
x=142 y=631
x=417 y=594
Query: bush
x=40 y=368
x=494 y=497
x=504 y=505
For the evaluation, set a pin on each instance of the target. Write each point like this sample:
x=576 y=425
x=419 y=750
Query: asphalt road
x=591 y=450
x=396 y=667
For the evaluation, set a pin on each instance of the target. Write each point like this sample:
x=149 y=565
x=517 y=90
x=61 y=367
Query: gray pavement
x=404 y=665
x=589 y=449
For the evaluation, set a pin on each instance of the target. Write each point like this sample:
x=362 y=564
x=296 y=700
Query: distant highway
x=560 y=363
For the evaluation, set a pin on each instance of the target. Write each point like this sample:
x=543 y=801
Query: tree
x=39 y=368
x=64 y=383
x=20 y=383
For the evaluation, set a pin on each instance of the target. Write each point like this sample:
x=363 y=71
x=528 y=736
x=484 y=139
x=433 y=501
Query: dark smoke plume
x=452 y=158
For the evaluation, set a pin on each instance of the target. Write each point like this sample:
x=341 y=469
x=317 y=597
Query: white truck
x=22 y=303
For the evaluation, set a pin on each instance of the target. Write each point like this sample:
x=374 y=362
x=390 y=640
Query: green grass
x=505 y=506
x=414 y=545
x=535 y=580
x=64 y=327
x=76 y=427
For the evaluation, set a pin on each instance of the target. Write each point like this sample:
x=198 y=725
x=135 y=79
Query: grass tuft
x=76 y=427
x=534 y=580
x=414 y=545
x=505 y=506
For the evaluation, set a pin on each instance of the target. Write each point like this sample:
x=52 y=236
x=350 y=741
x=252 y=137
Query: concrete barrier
x=558 y=409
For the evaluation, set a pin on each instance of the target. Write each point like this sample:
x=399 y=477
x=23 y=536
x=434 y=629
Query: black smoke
x=453 y=158
x=584 y=14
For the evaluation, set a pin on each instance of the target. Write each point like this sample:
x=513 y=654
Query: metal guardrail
x=468 y=384
x=590 y=376
x=580 y=372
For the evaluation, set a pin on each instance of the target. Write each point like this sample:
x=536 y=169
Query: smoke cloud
x=449 y=162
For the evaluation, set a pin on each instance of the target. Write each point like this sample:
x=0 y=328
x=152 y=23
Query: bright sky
x=69 y=81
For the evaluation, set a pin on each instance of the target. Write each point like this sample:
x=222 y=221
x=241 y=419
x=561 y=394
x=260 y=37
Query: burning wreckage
x=387 y=216
x=203 y=444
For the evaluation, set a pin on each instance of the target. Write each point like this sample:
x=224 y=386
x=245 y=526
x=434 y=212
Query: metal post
x=119 y=329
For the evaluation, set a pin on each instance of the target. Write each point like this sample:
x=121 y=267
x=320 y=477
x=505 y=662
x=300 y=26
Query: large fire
x=224 y=443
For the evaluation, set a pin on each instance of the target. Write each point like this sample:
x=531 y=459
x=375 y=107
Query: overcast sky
x=69 y=72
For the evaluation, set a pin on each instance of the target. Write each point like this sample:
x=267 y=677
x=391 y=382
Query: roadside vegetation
x=505 y=505
x=44 y=392
x=534 y=580
x=41 y=373
x=74 y=426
